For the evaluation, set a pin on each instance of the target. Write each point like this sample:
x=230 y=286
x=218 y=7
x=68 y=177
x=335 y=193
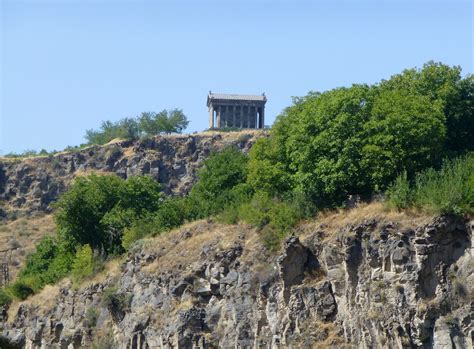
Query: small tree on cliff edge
x=167 y=121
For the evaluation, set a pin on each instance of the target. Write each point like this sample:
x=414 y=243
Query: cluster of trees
x=147 y=124
x=90 y=219
x=392 y=136
x=356 y=140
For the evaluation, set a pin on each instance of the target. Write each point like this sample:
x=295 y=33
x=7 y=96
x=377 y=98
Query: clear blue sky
x=66 y=65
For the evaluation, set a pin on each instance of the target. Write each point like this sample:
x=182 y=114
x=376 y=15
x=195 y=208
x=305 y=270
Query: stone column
x=241 y=121
x=248 y=120
x=233 y=119
x=218 y=116
x=233 y=112
x=211 y=117
x=262 y=118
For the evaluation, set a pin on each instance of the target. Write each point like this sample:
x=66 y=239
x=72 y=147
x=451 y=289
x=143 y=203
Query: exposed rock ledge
x=370 y=285
x=33 y=183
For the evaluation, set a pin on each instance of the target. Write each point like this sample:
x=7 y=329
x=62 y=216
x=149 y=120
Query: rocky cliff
x=361 y=278
x=32 y=184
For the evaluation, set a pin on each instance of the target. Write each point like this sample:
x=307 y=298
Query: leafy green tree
x=406 y=132
x=177 y=121
x=221 y=181
x=96 y=209
x=267 y=170
x=166 y=121
x=321 y=137
x=445 y=86
x=147 y=124
x=50 y=262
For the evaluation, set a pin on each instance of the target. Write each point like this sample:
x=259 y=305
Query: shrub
x=21 y=289
x=50 y=262
x=218 y=183
x=272 y=216
x=5 y=298
x=117 y=303
x=83 y=264
x=92 y=314
x=399 y=193
x=171 y=214
x=449 y=190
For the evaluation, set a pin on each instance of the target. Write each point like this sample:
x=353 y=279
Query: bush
x=21 y=289
x=97 y=209
x=5 y=298
x=171 y=214
x=92 y=314
x=50 y=262
x=449 y=190
x=83 y=265
x=399 y=193
x=273 y=217
x=221 y=181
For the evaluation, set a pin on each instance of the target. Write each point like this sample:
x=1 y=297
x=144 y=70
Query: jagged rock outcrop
x=374 y=284
x=33 y=184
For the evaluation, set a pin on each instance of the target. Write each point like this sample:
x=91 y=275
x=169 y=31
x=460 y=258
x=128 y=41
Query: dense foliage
x=448 y=190
x=97 y=209
x=91 y=218
x=356 y=140
x=147 y=124
x=222 y=181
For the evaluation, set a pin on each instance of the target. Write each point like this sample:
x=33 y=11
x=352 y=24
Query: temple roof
x=236 y=97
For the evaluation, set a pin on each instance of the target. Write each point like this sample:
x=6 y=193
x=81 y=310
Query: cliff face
x=33 y=184
x=379 y=281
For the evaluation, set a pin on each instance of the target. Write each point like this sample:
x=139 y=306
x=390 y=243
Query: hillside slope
x=359 y=278
x=32 y=184
x=29 y=186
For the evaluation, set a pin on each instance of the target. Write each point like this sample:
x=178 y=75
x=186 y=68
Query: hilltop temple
x=232 y=110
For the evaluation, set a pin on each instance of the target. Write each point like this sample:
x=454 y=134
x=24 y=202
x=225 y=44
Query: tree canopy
x=147 y=124
x=356 y=140
x=97 y=209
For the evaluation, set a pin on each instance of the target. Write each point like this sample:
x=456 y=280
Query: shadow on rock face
x=6 y=344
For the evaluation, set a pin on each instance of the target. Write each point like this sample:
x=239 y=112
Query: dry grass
x=128 y=152
x=333 y=222
x=88 y=171
x=175 y=251
x=377 y=210
x=111 y=271
x=42 y=301
x=22 y=235
x=333 y=340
